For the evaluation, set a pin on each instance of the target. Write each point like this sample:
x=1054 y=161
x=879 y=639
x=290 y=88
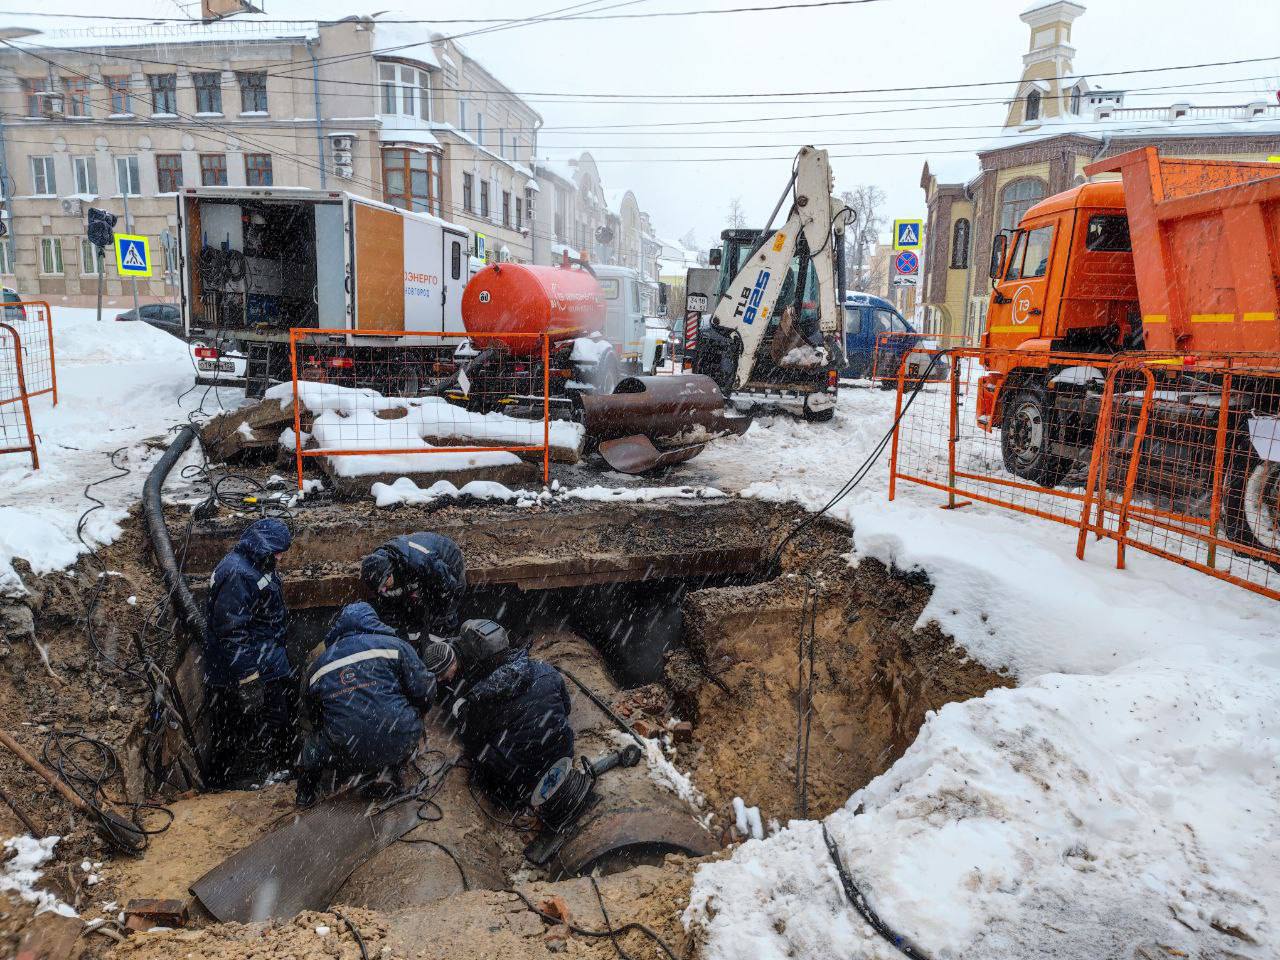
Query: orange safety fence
x=16 y=432
x=1176 y=456
x=909 y=354
x=385 y=402
x=33 y=320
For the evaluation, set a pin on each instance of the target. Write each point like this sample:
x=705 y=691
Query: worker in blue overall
x=250 y=684
x=364 y=698
x=511 y=714
x=416 y=583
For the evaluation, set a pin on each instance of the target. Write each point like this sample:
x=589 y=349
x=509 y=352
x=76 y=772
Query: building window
x=484 y=199
x=411 y=180
x=960 y=245
x=561 y=215
x=506 y=208
x=168 y=172
x=253 y=91
x=43 y=183
x=213 y=169
x=51 y=255
x=121 y=95
x=463 y=110
x=257 y=169
x=6 y=256
x=1075 y=101
x=208 y=91
x=127 y=178
x=86 y=173
x=1033 y=106
x=480 y=128
x=468 y=192
x=1016 y=199
x=75 y=96
x=164 y=92
x=88 y=258
x=35 y=90
x=519 y=214
x=405 y=90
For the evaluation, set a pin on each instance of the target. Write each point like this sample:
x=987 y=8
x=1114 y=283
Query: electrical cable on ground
x=863 y=469
x=598 y=934
x=608 y=924
x=355 y=932
x=851 y=891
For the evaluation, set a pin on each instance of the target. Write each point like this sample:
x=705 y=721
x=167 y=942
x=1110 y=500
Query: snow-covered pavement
x=118 y=385
x=1125 y=795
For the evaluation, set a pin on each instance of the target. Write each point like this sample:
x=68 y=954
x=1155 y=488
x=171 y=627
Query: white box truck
x=256 y=261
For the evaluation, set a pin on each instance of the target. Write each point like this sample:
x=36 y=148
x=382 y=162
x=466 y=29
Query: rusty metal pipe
x=666 y=409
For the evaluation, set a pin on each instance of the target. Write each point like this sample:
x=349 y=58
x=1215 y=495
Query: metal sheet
x=301 y=864
x=637 y=454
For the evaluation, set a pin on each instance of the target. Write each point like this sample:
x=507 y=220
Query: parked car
x=867 y=317
x=222 y=363
x=10 y=295
x=163 y=316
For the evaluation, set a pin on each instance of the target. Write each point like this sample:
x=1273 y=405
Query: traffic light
x=101 y=229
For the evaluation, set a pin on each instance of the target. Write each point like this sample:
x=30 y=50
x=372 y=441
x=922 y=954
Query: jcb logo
x=749 y=302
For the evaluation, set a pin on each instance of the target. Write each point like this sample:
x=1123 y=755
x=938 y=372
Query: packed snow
x=118 y=384
x=405 y=491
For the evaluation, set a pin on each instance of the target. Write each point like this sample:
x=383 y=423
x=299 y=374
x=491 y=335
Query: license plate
x=221 y=366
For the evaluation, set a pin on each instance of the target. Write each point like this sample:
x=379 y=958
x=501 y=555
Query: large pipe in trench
x=635 y=821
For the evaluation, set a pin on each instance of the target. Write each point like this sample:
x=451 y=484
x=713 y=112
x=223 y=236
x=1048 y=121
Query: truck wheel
x=1025 y=434
x=1251 y=504
x=607 y=374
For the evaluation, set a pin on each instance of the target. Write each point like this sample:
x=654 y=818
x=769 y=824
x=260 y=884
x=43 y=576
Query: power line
x=705 y=11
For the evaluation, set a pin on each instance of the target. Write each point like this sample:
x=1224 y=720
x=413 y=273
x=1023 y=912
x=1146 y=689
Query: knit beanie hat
x=438 y=657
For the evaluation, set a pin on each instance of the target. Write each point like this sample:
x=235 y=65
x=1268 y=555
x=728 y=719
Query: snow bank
x=117 y=384
x=20 y=873
x=405 y=491
x=1124 y=794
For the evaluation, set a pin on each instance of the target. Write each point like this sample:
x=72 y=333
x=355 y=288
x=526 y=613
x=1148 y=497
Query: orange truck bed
x=1206 y=249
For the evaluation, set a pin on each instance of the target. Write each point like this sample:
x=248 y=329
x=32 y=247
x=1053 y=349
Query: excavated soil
x=736 y=676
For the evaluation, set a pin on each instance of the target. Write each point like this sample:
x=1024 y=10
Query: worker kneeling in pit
x=364 y=698
x=416 y=582
x=251 y=686
x=512 y=713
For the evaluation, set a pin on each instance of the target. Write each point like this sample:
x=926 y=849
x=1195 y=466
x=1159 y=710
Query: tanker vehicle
x=1177 y=259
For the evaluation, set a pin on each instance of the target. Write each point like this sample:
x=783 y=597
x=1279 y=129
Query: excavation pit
x=669 y=611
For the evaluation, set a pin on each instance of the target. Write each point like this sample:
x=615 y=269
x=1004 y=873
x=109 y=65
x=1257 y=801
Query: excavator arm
x=751 y=297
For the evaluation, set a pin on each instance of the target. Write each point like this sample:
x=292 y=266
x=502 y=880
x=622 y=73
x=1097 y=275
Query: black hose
x=153 y=512
x=355 y=932
x=899 y=942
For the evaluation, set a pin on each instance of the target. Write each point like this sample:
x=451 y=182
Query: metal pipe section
x=669 y=410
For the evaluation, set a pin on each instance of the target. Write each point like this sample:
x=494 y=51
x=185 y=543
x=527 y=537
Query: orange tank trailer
x=516 y=298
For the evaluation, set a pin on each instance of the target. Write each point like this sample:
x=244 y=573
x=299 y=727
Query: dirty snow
x=21 y=871
x=405 y=491
x=1125 y=794
x=117 y=385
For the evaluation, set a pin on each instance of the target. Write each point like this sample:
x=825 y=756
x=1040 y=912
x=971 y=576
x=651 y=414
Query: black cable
x=611 y=934
x=901 y=943
x=608 y=924
x=355 y=932
x=863 y=469
x=466 y=884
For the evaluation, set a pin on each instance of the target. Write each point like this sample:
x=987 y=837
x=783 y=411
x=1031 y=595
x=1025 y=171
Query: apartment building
x=389 y=111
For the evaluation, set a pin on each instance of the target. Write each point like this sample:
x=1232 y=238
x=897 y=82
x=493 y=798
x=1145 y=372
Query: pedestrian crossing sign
x=132 y=256
x=906 y=234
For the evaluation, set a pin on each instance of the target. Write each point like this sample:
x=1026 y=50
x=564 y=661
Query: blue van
x=866 y=317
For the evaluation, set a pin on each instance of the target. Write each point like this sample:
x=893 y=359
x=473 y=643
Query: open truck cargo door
x=410 y=269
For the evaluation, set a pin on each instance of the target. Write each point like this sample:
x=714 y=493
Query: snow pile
x=1123 y=795
x=347 y=418
x=20 y=873
x=590 y=349
x=117 y=384
x=804 y=356
x=405 y=491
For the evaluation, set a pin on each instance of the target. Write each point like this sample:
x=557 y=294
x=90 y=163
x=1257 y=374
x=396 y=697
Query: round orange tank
x=516 y=298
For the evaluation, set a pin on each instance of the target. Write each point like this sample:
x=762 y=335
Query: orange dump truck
x=1179 y=258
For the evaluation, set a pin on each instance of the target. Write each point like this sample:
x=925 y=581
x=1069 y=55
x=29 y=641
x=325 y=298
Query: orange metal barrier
x=1172 y=455
x=16 y=432
x=909 y=354
x=374 y=395
x=33 y=320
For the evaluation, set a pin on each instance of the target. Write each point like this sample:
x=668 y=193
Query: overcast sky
x=876 y=44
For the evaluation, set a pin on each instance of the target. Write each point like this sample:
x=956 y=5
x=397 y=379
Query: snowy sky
x=877 y=44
